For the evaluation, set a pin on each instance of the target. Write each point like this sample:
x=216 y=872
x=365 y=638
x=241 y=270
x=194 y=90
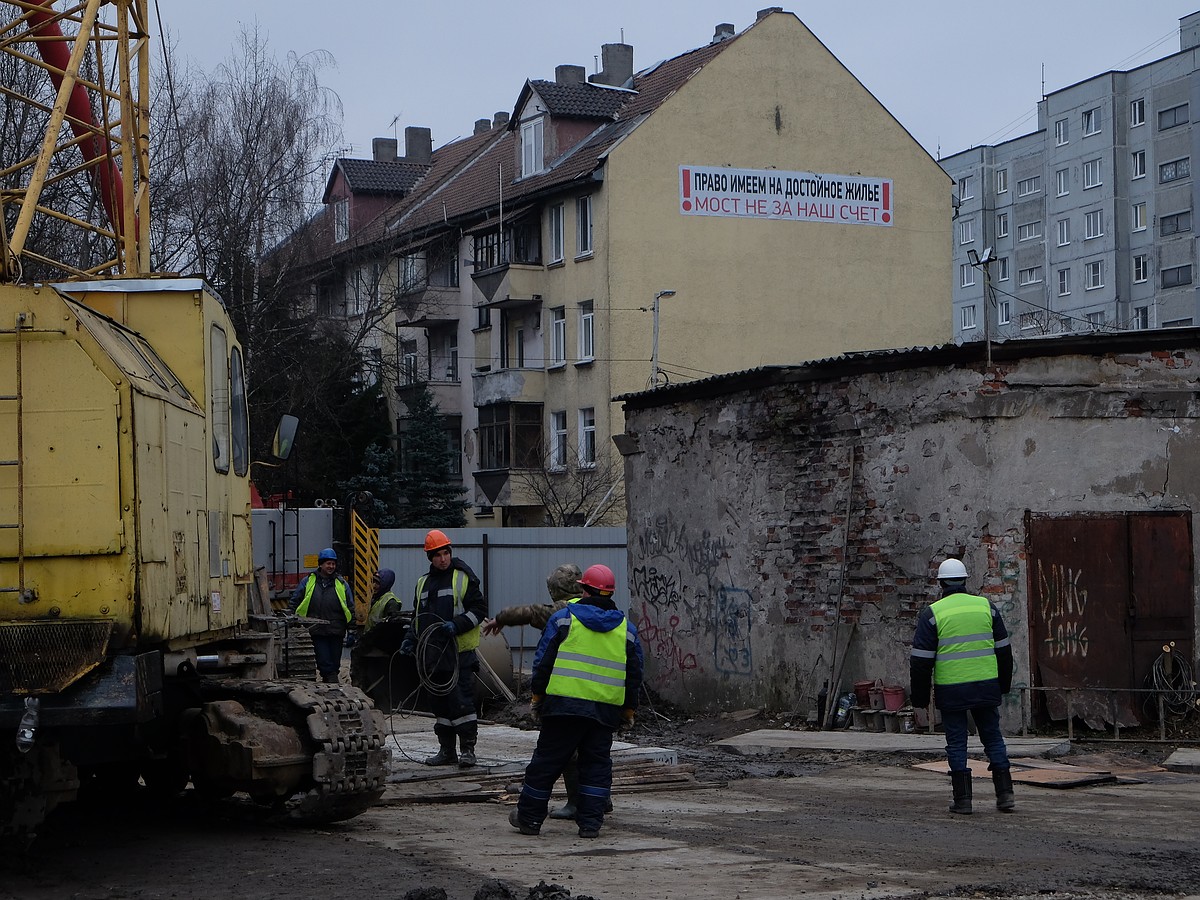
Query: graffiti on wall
x=733 y=633
x=1063 y=606
x=659 y=642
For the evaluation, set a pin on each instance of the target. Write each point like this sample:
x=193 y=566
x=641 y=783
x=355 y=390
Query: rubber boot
x=570 y=777
x=446 y=755
x=961 y=782
x=466 y=756
x=514 y=819
x=1002 y=779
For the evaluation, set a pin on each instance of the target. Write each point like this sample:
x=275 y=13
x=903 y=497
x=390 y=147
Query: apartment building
x=742 y=204
x=1086 y=223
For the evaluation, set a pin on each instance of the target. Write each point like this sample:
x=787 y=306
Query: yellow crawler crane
x=127 y=644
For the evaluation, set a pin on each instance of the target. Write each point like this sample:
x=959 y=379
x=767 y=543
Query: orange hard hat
x=600 y=578
x=436 y=540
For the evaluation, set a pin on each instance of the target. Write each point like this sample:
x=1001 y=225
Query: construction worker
x=382 y=630
x=587 y=672
x=563 y=587
x=449 y=608
x=324 y=594
x=962 y=646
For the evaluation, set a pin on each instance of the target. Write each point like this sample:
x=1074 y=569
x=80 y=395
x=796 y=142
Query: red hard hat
x=436 y=540
x=599 y=577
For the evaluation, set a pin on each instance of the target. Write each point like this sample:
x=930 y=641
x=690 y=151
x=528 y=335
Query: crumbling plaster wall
x=752 y=513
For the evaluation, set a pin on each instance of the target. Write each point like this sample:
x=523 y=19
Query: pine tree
x=431 y=498
x=379 y=479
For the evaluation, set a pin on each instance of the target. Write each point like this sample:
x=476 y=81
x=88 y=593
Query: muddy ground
x=818 y=824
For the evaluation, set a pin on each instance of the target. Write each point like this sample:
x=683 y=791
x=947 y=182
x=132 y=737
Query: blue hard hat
x=325 y=554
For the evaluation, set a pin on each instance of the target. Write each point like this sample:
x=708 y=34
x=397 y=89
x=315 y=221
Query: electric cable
x=1175 y=687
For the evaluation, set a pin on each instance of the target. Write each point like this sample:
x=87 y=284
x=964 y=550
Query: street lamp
x=654 y=345
x=985 y=262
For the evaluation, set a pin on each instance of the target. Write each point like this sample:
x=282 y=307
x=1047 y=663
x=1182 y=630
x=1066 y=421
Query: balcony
x=432 y=306
x=511 y=285
x=505 y=487
x=511 y=385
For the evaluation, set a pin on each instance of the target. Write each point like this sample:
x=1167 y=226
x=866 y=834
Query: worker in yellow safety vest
x=325 y=595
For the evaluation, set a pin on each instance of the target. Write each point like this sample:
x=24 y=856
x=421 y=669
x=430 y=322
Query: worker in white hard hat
x=961 y=646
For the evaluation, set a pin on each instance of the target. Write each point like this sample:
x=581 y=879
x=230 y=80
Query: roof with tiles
x=369 y=176
x=581 y=100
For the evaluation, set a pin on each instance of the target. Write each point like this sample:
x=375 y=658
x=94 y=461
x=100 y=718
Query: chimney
x=723 y=33
x=763 y=13
x=1189 y=32
x=482 y=125
x=384 y=149
x=569 y=75
x=499 y=119
x=617 y=65
x=418 y=145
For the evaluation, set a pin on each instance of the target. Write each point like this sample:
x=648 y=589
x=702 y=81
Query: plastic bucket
x=893 y=697
x=862 y=692
x=876 y=694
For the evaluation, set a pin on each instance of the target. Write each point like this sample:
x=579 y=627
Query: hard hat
x=325 y=554
x=952 y=570
x=600 y=578
x=436 y=540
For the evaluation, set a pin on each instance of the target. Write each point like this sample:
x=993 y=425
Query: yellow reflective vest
x=966 y=650
x=458 y=581
x=590 y=665
x=339 y=587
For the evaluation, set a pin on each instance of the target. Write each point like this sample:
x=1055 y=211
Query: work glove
x=351 y=638
x=408 y=646
x=627 y=718
x=449 y=628
x=535 y=708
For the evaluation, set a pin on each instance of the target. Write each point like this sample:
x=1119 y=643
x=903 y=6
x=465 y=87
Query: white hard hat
x=952 y=570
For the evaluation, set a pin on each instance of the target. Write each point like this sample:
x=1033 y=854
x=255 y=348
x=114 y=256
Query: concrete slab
x=1183 y=760
x=777 y=740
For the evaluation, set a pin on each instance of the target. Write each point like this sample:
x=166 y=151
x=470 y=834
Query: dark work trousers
x=455 y=711
x=561 y=736
x=987 y=720
x=328 y=650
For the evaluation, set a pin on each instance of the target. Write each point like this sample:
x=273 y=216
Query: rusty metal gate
x=1106 y=591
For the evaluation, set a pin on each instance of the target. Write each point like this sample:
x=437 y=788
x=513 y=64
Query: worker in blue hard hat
x=325 y=595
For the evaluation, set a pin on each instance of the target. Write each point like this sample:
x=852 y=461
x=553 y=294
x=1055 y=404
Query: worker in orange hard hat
x=449 y=608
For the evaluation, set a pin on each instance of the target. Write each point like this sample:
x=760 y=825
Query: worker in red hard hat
x=962 y=647
x=587 y=672
x=449 y=608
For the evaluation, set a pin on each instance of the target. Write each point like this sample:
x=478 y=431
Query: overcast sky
x=955 y=74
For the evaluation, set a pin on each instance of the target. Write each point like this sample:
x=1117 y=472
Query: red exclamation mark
x=887 y=201
x=687 y=190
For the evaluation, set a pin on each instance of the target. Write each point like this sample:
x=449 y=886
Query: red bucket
x=862 y=693
x=893 y=697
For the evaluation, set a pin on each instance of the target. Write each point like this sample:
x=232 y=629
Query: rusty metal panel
x=1079 y=617
x=1161 y=583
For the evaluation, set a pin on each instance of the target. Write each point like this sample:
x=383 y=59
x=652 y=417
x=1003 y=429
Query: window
x=1032 y=275
x=1174 y=224
x=487 y=251
x=557 y=236
x=966 y=231
x=1062 y=180
x=1002 y=181
x=1093 y=225
x=1141 y=317
x=1095 y=319
x=1027 y=186
x=1029 y=320
x=967 y=318
x=558 y=336
x=1002 y=269
x=1141 y=268
x=1137 y=164
x=1061 y=132
x=1091 y=174
x=1093 y=275
x=587 y=437
x=1091 y=121
x=558 y=440
x=1003 y=312
x=218 y=400
x=1001 y=224
x=1176 y=115
x=341 y=220
x=583 y=225
x=510 y=434
x=1029 y=231
x=966 y=275
x=1064 y=282
x=1137 y=112
x=409 y=363
x=239 y=414
x=1064 y=232
x=450 y=356
x=1138 y=217
x=1174 y=170
x=1176 y=276
x=533 y=154
x=483 y=317
x=587 y=333
x=964 y=186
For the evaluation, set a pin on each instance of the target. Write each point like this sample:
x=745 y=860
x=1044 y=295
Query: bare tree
x=574 y=493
